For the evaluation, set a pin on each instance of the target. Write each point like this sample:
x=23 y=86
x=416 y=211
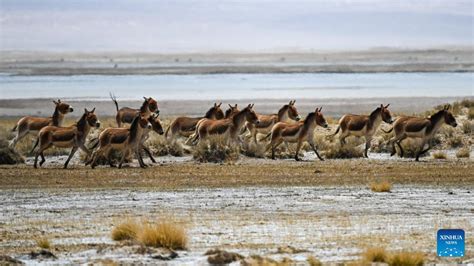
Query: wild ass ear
x=59 y=100
x=447 y=107
x=230 y=106
x=386 y=106
x=93 y=110
x=219 y=105
x=56 y=103
x=85 y=110
x=381 y=105
x=235 y=106
x=145 y=98
x=215 y=105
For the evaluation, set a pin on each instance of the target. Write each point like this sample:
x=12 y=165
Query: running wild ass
x=126 y=140
x=422 y=128
x=66 y=137
x=363 y=125
x=185 y=126
x=126 y=114
x=30 y=124
x=229 y=127
x=157 y=128
x=299 y=132
x=288 y=111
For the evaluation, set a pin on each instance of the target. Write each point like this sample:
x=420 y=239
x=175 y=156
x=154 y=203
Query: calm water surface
x=239 y=86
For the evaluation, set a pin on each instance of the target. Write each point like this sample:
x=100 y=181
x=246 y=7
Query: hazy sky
x=206 y=26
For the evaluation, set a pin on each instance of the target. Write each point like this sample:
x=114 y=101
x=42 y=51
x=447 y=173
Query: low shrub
x=127 y=230
x=407 y=259
x=221 y=257
x=312 y=261
x=163 y=234
x=375 y=255
x=439 y=155
x=336 y=151
x=9 y=156
x=467 y=127
x=43 y=243
x=161 y=147
x=253 y=150
x=383 y=186
x=463 y=153
x=215 y=150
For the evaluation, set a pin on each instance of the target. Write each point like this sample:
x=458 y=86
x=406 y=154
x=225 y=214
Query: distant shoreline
x=371 y=61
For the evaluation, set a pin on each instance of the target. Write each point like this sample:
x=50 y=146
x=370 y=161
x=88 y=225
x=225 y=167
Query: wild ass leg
x=367 y=145
x=298 y=146
x=38 y=153
x=398 y=142
x=274 y=145
x=149 y=153
x=420 y=150
x=315 y=150
x=20 y=134
x=73 y=150
x=140 y=158
x=124 y=155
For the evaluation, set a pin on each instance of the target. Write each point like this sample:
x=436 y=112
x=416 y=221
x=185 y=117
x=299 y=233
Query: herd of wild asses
x=231 y=124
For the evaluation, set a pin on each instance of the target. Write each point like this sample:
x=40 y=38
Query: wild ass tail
x=388 y=131
x=166 y=132
x=34 y=146
x=14 y=128
x=114 y=99
x=266 y=137
x=335 y=133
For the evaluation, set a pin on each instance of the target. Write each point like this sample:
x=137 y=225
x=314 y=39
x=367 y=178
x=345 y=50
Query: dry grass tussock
x=9 y=156
x=439 y=155
x=383 y=186
x=160 y=146
x=380 y=255
x=407 y=259
x=313 y=261
x=222 y=257
x=215 y=150
x=256 y=260
x=167 y=234
x=351 y=149
x=375 y=255
x=127 y=230
x=43 y=243
x=463 y=153
x=250 y=149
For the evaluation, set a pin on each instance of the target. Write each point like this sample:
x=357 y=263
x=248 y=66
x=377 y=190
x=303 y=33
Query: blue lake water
x=239 y=86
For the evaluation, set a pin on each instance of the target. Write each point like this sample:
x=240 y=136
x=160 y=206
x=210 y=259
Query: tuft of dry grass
x=375 y=255
x=439 y=155
x=215 y=150
x=313 y=261
x=256 y=260
x=407 y=259
x=470 y=114
x=163 y=234
x=221 y=257
x=467 y=127
x=161 y=147
x=43 y=242
x=127 y=230
x=250 y=149
x=383 y=186
x=348 y=151
x=463 y=153
x=9 y=156
x=455 y=141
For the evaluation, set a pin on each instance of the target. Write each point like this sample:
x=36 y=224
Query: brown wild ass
x=298 y=132
x=230 y=126
x=231 y=111
x=417 y=127
x=288 y=111
x=67 y=137
x=363 y=125
x=126 y=140
x=185 y=126
x=156 y=127
x=126 y=114
x=30 y=124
